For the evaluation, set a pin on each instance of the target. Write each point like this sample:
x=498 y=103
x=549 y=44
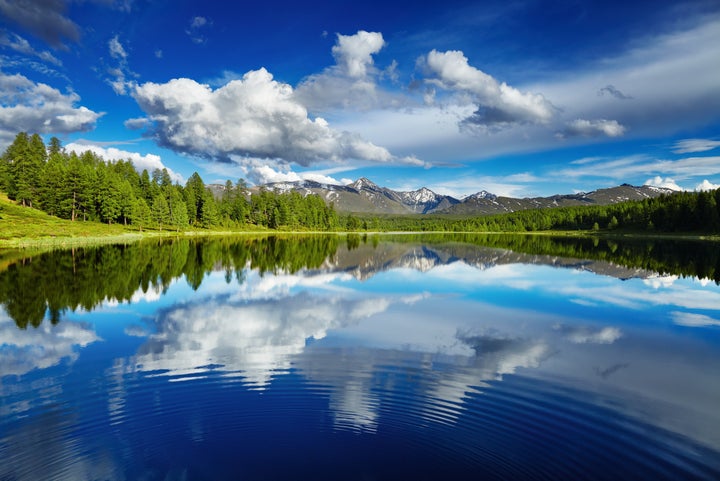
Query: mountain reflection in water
x=359 y=358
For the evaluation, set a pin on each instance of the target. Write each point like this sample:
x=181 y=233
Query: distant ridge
x=365 y=196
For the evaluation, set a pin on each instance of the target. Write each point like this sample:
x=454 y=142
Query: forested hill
x=85 y=187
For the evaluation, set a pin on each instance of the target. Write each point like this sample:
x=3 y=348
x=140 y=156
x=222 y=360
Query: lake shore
x=61 y=241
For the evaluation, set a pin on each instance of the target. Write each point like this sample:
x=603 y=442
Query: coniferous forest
x=87 y=188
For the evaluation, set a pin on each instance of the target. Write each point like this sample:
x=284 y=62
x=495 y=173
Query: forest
x=87 y=188
x=680 y=212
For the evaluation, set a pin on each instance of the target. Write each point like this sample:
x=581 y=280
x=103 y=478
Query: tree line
x=697 y=212
x=87 y=188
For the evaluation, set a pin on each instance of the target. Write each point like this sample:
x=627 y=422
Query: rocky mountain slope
x=364 y=196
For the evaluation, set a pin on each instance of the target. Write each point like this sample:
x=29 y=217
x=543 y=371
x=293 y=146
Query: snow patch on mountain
x=483 y=194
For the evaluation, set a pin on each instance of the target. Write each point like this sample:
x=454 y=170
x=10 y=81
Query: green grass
x=23 y=227
x=17 y=223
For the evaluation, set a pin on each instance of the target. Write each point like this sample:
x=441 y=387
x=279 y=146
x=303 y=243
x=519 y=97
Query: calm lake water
x=334 y=358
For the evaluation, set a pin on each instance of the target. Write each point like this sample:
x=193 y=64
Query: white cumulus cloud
x=498 y=104
x=260 y=172
x=354 y=52
x=37 y=107
x=706 y=185
x=255 y=116
x=353 y=81
x=666 y=183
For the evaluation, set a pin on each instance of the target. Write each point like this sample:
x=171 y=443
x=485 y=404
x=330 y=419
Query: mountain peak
x=421 y=196
x=483 y=194
x=363 y=183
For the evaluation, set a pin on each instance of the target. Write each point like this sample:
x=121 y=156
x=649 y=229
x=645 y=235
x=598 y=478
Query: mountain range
x=364 y=196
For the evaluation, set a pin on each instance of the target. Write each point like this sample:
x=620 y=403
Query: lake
x=362 y=358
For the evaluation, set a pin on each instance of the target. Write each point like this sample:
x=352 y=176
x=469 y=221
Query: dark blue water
x=387 y=361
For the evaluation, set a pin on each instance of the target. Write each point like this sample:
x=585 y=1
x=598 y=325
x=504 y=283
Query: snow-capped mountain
x=365 y=196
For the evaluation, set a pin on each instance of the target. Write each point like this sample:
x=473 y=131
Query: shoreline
x=70 y=241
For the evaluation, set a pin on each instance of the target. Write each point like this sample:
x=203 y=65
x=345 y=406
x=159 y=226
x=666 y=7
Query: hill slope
x=17 y=222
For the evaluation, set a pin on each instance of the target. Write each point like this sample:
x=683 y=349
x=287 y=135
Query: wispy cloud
x=592 y=128
x=612 y=91
x=672 y=75
x=197 y=28
x=688 y=319
x=514 y=185
x=121 y=74
x=627 y=167
x=579 y=334
x=689 y=146
x=21 y=45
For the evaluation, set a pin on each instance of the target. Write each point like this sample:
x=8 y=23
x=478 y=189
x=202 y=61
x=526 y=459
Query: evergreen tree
x=179 y=216
x=127 y=201
x=54 y=147
x=160 y=211
x=20 y=166
x=209 y=215
x=51 y=184
x=196 y=188
x=141 y=215
x=240 y=206
x=109 y=197
x=146 y=187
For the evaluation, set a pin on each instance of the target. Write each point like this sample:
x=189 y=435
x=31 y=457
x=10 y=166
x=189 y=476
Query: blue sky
x=517 y=98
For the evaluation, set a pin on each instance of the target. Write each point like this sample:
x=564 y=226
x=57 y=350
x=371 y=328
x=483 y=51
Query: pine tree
x=209 y=215
x=22 y=170
x=140 y=214
x=51 y=183
x=127 y=201
x=197 y=188
x=109 y=195
x=179 y=216
x=160 y=211
x=54 y=147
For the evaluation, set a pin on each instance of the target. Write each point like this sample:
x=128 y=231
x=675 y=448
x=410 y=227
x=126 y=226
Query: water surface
x=362 y=358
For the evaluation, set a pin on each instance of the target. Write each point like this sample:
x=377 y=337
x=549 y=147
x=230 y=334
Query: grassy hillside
x=21 y=224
